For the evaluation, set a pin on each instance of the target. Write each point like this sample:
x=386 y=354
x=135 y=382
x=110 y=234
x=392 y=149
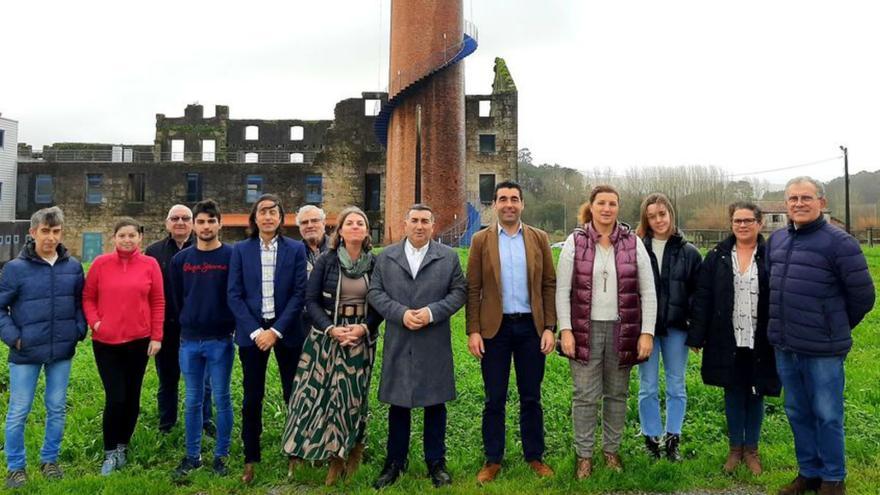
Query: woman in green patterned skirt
x=327 y=414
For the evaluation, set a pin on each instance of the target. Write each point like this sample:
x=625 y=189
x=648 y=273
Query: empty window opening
x=251 y=158
x=487 y=188
x=177 y=147
x=487 y=143
x=485 y=108
x=372 y=192
x=372 y=107
x=208 y=148
x=193 y=187
x=251 y=133
x=297 y=158
x=136 y=188
x=296 y=133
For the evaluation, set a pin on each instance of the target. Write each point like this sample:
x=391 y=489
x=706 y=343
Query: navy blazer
x=245 y=295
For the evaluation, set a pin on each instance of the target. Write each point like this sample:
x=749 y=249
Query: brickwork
x=430 y=119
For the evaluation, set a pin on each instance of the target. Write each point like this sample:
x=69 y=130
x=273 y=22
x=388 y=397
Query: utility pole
x=846 y=184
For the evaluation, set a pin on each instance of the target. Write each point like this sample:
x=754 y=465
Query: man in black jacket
x=179 y=224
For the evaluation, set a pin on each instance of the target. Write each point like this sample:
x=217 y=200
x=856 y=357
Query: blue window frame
x=94 y=188
x=254 y=188
x=314 y=189
x=44 y=189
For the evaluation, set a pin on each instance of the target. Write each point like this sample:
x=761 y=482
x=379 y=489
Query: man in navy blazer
x=267 y=280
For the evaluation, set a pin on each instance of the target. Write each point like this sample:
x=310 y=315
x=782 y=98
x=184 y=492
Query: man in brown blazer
x=511 y=313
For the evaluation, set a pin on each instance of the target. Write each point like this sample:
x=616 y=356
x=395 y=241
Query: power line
x=833 y=158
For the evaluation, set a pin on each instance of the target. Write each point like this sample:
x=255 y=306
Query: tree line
x=700 y=193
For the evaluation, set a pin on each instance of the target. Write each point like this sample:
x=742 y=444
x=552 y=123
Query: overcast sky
x=748 y=86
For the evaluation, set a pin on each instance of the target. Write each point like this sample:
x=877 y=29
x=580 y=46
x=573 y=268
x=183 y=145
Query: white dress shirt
x=415 y=256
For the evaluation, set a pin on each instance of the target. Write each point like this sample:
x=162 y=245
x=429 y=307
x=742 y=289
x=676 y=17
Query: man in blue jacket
x=267 y=284
x=41 y=320
x=820 y=289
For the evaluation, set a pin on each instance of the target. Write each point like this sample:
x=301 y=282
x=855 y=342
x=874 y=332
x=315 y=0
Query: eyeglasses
x=179 y=219
x=744 y=221
x=793 y=200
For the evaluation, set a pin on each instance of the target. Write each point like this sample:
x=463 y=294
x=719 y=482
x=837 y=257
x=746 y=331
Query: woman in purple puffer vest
x=607 y=307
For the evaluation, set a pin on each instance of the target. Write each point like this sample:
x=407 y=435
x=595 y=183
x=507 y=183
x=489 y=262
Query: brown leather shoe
x=248 y=475
x=613 y=462
x=584 y=468
x=488 y=472
x=800 y=486
x=734 y=457
x=354 y=459
x=752 y=461
x=832 y=488
x=541 y=469
x=336 y=469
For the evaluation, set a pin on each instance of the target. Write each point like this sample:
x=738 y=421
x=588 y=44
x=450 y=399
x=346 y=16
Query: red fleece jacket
x=124 y=292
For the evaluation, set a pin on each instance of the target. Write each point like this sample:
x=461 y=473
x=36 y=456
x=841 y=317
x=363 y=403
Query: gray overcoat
x=417 y=369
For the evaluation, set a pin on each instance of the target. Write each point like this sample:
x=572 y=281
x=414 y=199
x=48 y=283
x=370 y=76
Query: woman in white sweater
x=606 y=306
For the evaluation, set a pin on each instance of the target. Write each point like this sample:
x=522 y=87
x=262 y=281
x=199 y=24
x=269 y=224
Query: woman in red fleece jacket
x=125 y=306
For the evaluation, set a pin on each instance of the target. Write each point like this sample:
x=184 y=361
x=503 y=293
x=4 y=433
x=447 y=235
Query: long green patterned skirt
x=327 y=414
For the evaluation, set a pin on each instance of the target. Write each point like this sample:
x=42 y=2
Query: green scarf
x=357 y=268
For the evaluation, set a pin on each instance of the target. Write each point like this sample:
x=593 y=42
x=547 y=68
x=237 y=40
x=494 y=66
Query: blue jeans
x=814 y=406
x=214 y=358
x=22 y=387
x=675 y=358
x=745 y=414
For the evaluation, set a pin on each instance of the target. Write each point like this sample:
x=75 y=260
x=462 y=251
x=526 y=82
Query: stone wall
x=343 y=151
x=502 y=124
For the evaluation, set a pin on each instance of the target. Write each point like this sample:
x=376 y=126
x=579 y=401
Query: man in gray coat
x=417 y=286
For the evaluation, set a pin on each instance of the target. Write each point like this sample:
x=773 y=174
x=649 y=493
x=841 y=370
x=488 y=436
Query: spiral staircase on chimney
x=401 y=85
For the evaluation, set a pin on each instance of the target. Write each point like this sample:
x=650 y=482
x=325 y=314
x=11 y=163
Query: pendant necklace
x=604 y=256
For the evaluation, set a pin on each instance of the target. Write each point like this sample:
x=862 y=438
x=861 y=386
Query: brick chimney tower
x=426 y=133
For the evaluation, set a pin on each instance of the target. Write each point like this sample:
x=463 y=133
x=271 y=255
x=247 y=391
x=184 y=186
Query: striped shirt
x=268 y=255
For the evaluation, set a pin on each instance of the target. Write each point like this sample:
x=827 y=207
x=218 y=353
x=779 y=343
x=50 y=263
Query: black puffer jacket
x=712 y=322
x=677 y=284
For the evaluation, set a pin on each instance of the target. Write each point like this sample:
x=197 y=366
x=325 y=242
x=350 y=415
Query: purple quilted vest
x=627 y=328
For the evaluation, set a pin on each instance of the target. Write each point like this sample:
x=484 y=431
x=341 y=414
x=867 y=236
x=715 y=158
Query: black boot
x=672 y=442
x=389 y=474
x=438 y=473
x=653 y=444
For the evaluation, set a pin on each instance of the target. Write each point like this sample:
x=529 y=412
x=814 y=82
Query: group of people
x=767 y=316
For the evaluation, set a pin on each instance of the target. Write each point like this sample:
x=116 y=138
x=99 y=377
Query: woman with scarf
x=606 y=306
x=327 y=414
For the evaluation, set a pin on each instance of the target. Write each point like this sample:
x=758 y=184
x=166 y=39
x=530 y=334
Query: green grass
x=154 y=456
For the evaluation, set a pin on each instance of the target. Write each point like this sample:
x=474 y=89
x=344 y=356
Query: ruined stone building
x=330 y=163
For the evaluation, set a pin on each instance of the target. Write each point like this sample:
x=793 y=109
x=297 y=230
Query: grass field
x=154 y=456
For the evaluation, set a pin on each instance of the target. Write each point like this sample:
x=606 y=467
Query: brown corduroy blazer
x=484 y=309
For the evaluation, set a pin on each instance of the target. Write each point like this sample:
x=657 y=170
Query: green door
x=93 y=245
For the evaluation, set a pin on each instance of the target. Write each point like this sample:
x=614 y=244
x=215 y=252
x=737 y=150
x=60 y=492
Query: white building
x=8 y=167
